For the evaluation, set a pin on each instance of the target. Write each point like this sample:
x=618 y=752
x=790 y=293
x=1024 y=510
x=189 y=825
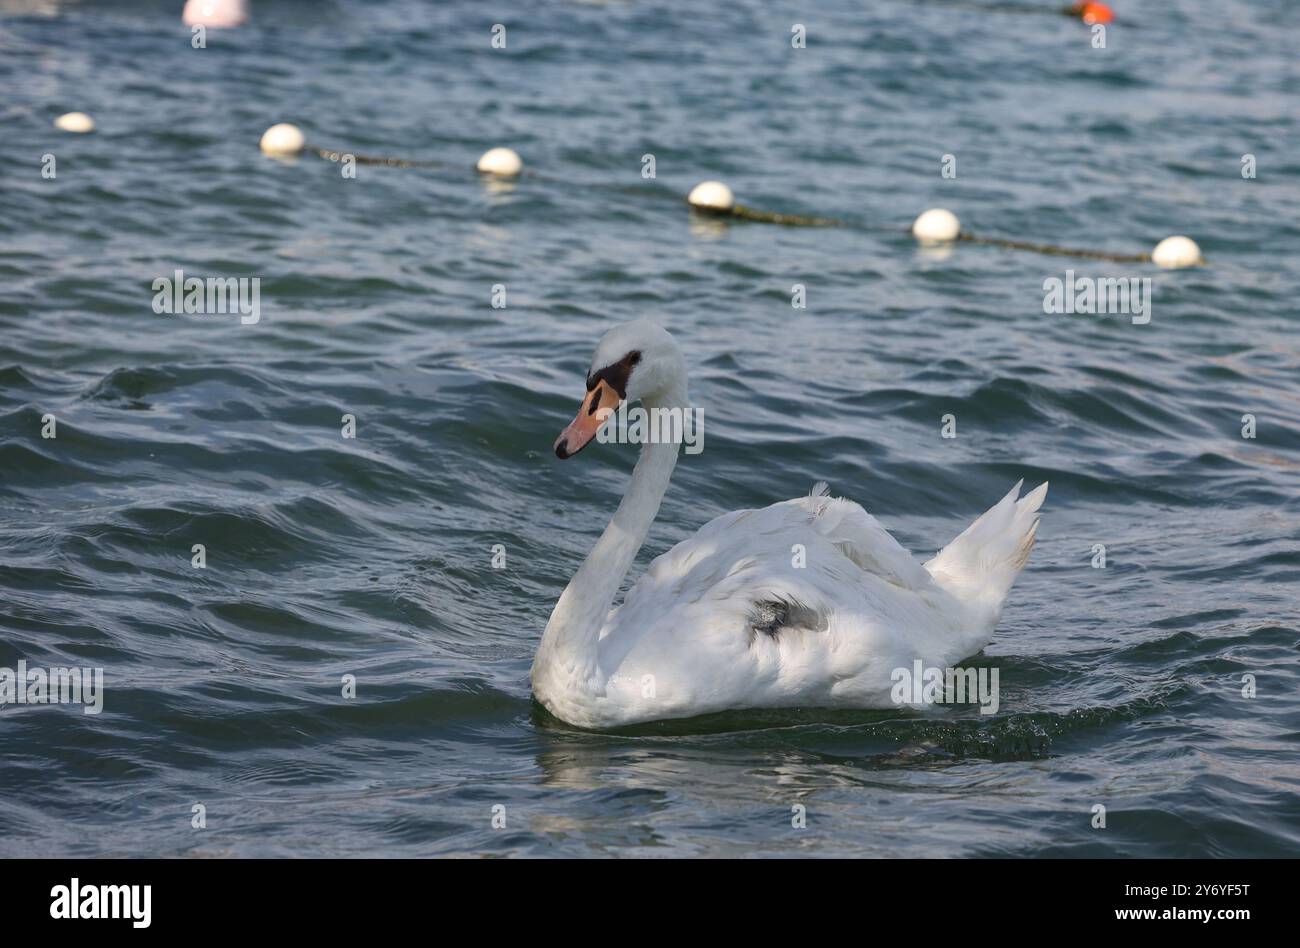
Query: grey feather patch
x=771 y=617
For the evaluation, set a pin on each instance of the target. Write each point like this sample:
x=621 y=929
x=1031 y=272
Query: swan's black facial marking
x=616 y=374
x=771 y=617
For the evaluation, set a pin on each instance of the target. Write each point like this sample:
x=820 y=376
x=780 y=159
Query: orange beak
x=595 y=408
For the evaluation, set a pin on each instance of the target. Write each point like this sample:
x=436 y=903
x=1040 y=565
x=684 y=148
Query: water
x=372 y=557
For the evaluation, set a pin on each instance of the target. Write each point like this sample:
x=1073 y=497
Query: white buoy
x=1174 y=253
x=282 y=139
x=936 y=226
x=215 y=13
x=712 y=196
x=78 y=122
x=502 y=162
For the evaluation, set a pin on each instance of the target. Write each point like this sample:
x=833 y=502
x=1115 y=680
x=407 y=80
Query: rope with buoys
x=714 y=197
x=939 y=226
x=285 y=140
x=935 y=227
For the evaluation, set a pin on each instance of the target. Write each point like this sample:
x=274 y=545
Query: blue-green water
x=372 y=557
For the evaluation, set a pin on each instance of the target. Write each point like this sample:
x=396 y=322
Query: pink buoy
x=219 y=14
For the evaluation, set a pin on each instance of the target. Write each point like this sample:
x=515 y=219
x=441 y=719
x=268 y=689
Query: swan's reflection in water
x=633 y=794
x=883 y=785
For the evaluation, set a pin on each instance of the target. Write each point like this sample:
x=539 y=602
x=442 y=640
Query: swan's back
x=809 y=602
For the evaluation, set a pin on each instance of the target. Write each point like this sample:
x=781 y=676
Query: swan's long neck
x=569 y=644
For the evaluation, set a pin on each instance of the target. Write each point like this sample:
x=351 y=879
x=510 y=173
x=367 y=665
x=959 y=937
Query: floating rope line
x=330 y=154
x=506 y=163
x=772 y=217
x=285 y=141
x=714 y=197
x=939 y=227
x=1054 y=250
x=785 y=220
x=500 y=163
x=935 y=227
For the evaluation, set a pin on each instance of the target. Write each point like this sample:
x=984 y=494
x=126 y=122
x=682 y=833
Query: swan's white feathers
x=806 y=603
x=983 y=561
x=863 y=540
x=817 y=498
x=860 y=605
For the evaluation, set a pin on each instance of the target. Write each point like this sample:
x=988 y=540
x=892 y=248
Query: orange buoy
x=1092 y=13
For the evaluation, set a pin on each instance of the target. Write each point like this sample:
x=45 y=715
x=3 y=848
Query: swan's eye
x=615 y=375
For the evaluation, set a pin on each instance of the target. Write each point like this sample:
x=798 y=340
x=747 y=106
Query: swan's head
x=636 y=360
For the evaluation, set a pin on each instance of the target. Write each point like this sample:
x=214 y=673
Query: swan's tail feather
x=819 y=498
x=980 y=565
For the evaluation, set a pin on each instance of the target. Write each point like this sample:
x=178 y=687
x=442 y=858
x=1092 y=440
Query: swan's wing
x=803 y=601
x=861 y=538
x=812 y=541
x=714 y=590
x=737 y=538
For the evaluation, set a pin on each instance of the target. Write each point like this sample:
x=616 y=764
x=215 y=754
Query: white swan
x=728 y=619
